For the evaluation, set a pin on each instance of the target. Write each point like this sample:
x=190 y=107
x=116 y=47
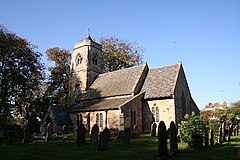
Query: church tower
x=86 y=65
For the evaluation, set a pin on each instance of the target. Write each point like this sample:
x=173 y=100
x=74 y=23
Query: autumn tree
x=58 y=79
x=21 y=73
x=118 y=54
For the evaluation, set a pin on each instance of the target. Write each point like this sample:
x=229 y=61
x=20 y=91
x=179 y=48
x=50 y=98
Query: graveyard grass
x=141 y=148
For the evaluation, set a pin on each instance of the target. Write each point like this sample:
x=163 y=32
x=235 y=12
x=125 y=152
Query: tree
x=193 y=129
x=58 y=80
x=21 y=74
x=118 y=54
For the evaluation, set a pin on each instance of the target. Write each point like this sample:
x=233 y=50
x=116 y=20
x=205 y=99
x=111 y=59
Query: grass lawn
x=143 y=148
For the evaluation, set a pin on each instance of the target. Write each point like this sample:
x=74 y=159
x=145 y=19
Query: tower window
x=79 y=59
x=95 y=59
x=97 y=119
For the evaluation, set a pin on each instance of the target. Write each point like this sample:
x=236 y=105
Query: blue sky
x=203 y=34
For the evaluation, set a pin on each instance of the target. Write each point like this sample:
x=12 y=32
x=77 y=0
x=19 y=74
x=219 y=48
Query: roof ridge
x=166 y=66
x=121 y=69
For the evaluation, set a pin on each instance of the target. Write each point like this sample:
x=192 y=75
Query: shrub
x=192 y=130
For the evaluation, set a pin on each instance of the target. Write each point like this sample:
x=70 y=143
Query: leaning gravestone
x=94 y=134
x=81 y=134
x=153 y=129
x=173 y=138
x=127 y=135
x=49 y=132
x=104 y=138
x=211 y=138
x=27 y=134
x=162 y=141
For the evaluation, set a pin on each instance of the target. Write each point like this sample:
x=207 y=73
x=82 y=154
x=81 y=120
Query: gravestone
x=173 y=138
x=81 y=134
x=153 y=129
x=94 y=134
x=49 y=132
x=220 y=135
x=120 y=135
x=162 y=141
x=27 y=134
x=104 y=138
x=64 y=129
x=211 y=138
x=127 y=135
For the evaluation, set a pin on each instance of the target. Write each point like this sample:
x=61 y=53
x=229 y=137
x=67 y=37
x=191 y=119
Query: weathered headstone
x=127 y=135
x=153 y=129
x=104 y=138
x=81 y=134
x=173 y=138
x=27 y=134
x=220 y=135
x=211 y=138
x=49 y=132
x=94 y=134
x=120 y=135
x=162 y=141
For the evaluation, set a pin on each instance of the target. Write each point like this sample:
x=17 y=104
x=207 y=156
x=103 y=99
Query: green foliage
x=118 y=54
x=58 y=80
x=193 y=129
x=20 y=75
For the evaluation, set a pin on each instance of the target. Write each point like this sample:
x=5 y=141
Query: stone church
x=134 y=97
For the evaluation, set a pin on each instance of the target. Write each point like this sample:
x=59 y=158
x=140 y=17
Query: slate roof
x=160 y=82
x=100 y=104
x=58 y=115
x=115 y=83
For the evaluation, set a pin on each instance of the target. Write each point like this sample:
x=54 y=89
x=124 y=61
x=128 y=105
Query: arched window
x=157 y=114
x=97 y=119
x=101 y=120
x=133 y=117
x=154 y=113
x=79 y=59
x=95 y=59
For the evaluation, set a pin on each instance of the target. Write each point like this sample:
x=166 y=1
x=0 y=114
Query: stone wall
x=127 y=110
x=183 y=101
x=112 y=119
x=166 y=110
